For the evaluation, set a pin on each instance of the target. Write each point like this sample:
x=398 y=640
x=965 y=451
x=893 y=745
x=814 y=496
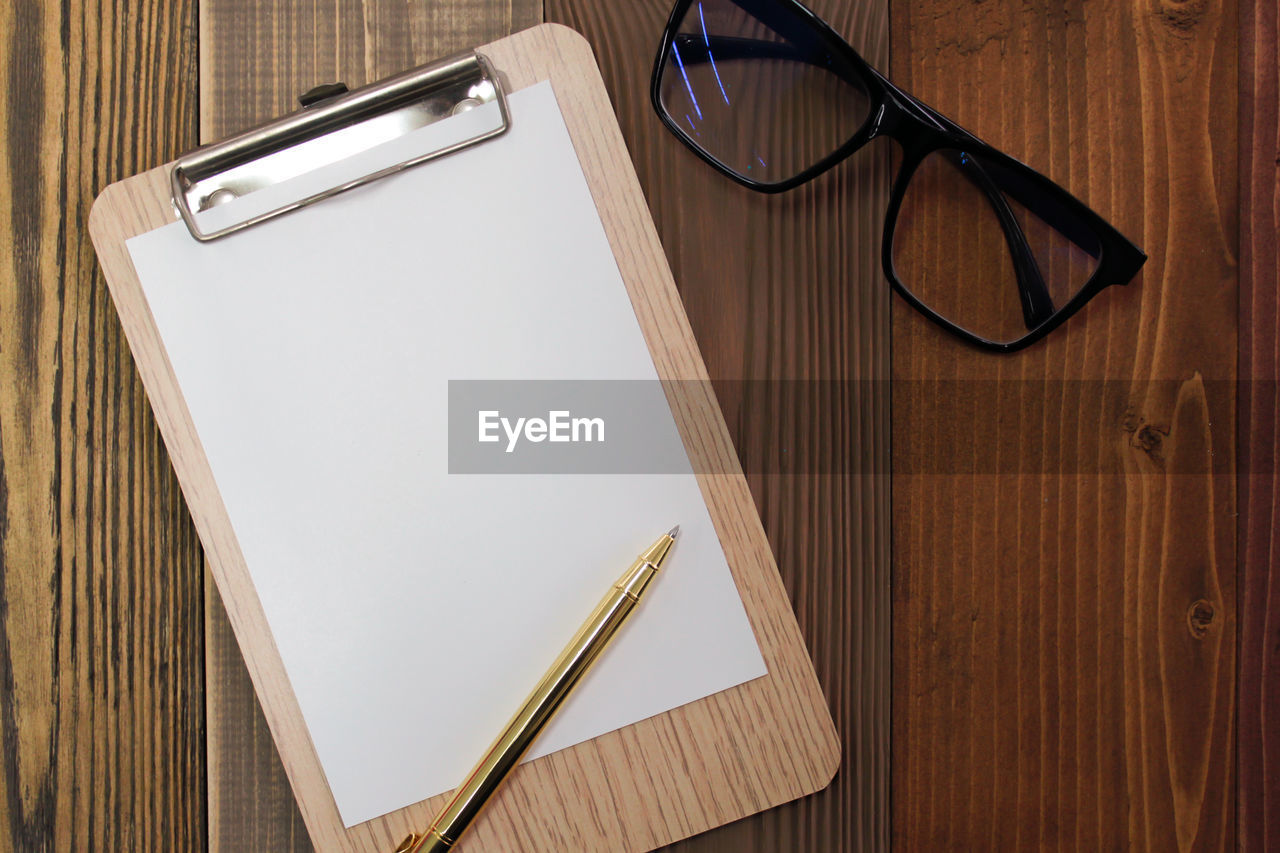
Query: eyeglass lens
x=758 y=92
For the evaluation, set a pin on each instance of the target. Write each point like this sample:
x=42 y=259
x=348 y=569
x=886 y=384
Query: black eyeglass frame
x=920 y=131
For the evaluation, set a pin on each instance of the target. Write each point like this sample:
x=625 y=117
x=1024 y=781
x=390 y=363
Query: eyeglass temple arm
x=1018 y=188
x=1037 y=306
x=1028 y=187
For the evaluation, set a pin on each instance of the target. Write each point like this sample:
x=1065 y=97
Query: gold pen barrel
x=572 y=664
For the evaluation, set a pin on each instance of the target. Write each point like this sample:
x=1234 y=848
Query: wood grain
x=101 y=655
x=1259 y=488
x=1064 y=641
x=761 y=743
x=790 y=310
x=255 y=59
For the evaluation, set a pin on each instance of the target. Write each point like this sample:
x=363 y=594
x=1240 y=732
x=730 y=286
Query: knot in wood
x=1200 y=617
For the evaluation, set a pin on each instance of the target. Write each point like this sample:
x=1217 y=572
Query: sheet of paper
x=414 y=609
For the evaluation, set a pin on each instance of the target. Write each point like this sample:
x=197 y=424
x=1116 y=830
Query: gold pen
x=542 y=704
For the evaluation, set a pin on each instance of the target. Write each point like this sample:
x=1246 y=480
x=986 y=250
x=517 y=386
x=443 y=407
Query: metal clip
x=330 y=129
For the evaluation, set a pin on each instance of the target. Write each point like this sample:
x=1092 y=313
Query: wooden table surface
x=1083 y=626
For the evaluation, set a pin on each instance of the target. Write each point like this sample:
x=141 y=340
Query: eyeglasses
x=768 y=94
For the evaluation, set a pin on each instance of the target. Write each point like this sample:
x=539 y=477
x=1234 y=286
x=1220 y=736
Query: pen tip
x=674 y=532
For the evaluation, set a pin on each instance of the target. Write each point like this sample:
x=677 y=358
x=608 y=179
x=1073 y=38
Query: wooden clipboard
x=685 y=771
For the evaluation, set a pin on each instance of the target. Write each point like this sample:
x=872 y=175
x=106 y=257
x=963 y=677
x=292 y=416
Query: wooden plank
x=1259 y=488
x=790 y=309
x=100 y=571
x=1065 y=560
x=255 y=59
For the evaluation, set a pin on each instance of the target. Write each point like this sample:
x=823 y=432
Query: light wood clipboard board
x=685 y=771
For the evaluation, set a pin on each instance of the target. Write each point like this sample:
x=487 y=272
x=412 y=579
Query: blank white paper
x=415 y=609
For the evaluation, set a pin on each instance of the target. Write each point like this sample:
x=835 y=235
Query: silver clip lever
x=333 y=124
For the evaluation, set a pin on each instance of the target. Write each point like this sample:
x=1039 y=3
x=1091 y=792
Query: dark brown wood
x=101 y=652
x=1259 y=489
x=1064 y=626
x=786 y=298
x=256 y=58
